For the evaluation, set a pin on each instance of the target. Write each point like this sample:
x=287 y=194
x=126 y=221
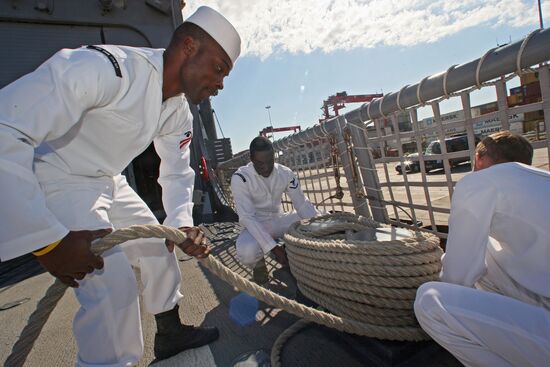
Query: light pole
x=540 y=15
x=270 y=124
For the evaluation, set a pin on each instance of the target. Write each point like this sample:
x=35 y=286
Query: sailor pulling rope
x=373 y=322
x=68 y=130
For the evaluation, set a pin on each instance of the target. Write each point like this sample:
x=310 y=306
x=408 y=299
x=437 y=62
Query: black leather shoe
x=173 y=337
x=260 y=275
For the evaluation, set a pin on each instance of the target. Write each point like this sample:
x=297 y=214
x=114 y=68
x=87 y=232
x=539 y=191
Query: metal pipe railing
x=533 y=49
x=493 y=64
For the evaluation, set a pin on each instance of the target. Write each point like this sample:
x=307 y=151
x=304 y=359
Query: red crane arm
x=339 y=100
x=271 y=129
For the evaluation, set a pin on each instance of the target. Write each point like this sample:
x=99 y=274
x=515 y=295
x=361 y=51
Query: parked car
x=453 y=144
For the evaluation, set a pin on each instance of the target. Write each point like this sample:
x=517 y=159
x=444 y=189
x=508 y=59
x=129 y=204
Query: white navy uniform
x=89 y=116
x=258 y=203
x=492 y=307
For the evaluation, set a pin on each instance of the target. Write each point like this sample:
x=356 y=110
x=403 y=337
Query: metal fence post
x=544 y=78
x=371 y=183
x=350 y=169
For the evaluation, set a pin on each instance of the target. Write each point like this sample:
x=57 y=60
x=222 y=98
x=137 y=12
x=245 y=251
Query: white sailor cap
x=218 y=28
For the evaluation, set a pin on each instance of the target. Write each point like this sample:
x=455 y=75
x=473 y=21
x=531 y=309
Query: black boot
x=173 y=337
x=260 y=275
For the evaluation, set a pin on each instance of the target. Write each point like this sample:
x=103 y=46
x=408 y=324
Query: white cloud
x=269 y=27
x=302 y=88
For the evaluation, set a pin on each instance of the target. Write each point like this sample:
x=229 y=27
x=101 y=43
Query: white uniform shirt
x=503 y=210
x=94 y=123
x=258 y=199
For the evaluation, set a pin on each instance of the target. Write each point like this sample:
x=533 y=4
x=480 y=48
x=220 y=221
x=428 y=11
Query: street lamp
x=540 y=15
x=270 y=124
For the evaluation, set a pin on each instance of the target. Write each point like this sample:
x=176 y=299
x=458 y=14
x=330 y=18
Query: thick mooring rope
x=373 y=282
x=45 y=306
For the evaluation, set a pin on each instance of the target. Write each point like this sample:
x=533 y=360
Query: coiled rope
x=407 y=331
x=373 y=282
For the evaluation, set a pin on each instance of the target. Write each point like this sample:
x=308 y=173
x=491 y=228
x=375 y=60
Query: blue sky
x=297 y=53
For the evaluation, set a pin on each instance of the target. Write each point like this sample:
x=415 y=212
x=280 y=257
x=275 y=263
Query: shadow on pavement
x=18 y=269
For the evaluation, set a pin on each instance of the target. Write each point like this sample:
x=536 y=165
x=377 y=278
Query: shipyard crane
x=271 y=129
x=339 y=100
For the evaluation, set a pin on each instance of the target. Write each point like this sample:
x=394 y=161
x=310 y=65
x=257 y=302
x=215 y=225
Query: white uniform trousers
x=484 y=329
x=249 y=251
x=107 y=326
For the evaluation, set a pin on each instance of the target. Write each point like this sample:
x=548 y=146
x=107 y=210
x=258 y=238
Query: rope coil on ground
x=370 y=281
x=46 y=305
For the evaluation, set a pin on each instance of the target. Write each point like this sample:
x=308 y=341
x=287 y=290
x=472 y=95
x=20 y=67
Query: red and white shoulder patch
x=186 y=139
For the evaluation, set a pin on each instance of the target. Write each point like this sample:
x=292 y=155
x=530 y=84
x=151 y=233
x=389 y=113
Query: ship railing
x=349 y=162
